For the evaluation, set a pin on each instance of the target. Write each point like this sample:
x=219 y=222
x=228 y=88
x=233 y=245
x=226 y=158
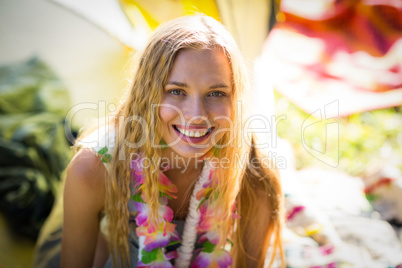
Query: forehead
x=201 y=64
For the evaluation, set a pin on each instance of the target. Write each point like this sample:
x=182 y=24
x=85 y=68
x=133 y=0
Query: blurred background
x=327 y=78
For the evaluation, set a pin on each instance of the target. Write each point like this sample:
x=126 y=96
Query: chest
x=185 y=187
x=180 y=205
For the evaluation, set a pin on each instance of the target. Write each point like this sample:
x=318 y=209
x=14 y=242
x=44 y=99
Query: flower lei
x=202 y=219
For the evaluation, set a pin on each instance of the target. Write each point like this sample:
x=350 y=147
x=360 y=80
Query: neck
x=180 y=167
x=180 y=163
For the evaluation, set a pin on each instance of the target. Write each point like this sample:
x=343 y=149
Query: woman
x=171 y=186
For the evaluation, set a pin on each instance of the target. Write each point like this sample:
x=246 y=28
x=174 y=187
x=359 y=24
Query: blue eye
x=217 y=94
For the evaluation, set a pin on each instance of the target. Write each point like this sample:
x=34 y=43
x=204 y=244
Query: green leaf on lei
x=155 y=255
x=103 y=150
x=148 y=257
x=159 y=255
x=163 y=144
x=137 y=198
x=202 y=201
x=215 y=151
x=162 y=194
x=208 y=247
x=173 y=243
x=106 y=158
x=230 y=241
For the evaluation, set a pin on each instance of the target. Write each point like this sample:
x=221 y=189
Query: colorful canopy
x=347 y=51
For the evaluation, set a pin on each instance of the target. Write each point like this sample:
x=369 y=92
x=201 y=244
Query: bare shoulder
x=88 y=167
x=84 y=201
x=86 y=177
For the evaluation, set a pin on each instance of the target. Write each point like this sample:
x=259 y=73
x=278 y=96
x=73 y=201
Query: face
x=196 y=103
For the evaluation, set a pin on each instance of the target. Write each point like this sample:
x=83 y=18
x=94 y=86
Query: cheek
x=169 y=112
x=166 y=114
x=225 y=123
x=222 y=113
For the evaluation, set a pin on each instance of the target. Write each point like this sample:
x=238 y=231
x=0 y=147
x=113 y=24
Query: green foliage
x=365 y=139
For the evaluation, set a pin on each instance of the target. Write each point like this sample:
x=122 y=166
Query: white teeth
x=196 y=134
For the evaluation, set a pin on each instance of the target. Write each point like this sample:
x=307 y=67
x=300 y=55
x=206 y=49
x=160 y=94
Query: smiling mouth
x=193 y=133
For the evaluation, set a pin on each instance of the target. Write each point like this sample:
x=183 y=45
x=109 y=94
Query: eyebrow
x=179 y=84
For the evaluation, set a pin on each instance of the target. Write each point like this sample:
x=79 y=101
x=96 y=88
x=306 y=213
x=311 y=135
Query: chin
x=191 y=152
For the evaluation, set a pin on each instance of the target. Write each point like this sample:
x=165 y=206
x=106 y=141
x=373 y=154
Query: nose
x=195 y=111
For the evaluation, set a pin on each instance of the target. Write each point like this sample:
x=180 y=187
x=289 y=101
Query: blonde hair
x=152 y=69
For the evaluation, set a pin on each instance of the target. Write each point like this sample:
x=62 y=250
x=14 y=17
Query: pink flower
x=155 y=264
x=212 y=236
x=208 y=225
x=296 y=210
x=164 y=212
x=210 y=218
x=205 y=191
x=137 y=174
x=166 y=186
x=234 y=214
x=159 y=237
x=138 y=178
x=217 y=259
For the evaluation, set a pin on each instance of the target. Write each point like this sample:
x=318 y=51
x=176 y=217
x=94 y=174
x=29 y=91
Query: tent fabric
x=109 y=16
x=132 y=21
x=33 y=147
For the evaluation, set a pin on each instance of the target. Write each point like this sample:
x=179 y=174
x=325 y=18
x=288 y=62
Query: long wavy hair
x=139 y=130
